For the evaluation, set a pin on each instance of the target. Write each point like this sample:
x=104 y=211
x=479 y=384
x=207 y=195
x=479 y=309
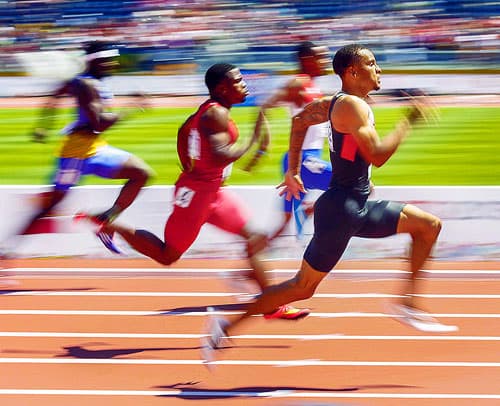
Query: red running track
x=92 y=338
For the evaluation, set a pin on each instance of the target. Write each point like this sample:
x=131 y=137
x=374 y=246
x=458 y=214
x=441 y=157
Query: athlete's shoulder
x=346 y=101
x=214 y=117
x=320 y=103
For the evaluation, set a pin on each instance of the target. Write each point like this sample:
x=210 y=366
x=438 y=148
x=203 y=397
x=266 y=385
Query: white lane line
x=218 y=271
x=58 y=334
x=226 y=294
x=272 y=363
x=217 y=394
x=187 y=313
x=236 y=394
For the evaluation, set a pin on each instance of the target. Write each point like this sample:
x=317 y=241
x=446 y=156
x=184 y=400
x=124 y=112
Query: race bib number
x=183 y=197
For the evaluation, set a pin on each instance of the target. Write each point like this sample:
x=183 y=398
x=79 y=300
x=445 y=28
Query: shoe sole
x=431 y=326
x=298 y=316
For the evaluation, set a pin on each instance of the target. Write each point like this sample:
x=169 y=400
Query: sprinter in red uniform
x=207 y=147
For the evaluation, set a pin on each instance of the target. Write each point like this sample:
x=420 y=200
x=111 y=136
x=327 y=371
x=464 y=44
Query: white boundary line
x=227 y=294
x=278 y=393
x=304 y=337
x=221 y=313
x=474 y=273
x=272 y=363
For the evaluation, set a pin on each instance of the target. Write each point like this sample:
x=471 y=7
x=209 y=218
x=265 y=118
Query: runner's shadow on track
x=199 y=309
x=28 y=291
x=78 y=351
x=189 y=391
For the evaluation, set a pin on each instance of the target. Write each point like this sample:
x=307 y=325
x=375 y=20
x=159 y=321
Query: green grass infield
x=461 y=149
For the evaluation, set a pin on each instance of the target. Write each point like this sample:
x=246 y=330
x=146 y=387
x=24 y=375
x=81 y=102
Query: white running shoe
x=214 y=340
x=418 y=319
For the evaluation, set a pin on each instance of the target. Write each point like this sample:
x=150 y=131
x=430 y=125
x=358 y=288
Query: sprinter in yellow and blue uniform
x=84 y=151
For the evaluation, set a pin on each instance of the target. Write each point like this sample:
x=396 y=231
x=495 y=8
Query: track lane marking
x=230 y=294
x=272 y=363
x=37 y=334
x=279 y=393
x=34 y=312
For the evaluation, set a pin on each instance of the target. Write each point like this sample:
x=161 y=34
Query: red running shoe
x=287 y=312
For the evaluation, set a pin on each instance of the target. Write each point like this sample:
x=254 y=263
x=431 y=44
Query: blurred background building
x=186 y=36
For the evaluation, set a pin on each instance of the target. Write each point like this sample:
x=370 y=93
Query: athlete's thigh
x=414 y=219
x=106 y=162
x=191 y=208
x=381 y=219
x=68 y=173
x=228 y=212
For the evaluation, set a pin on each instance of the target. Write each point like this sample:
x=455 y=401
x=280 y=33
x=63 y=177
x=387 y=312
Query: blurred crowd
x=159 y=35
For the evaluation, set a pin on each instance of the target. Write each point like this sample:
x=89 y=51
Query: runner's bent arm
x=46 y=120
x=315 y=112
x=350 y=115
x=215 y=123
x=90 y=101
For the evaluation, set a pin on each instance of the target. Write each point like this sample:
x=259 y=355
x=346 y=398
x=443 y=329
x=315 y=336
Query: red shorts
x=193 y=208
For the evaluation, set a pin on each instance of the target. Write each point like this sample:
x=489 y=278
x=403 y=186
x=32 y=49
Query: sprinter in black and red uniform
x=344 y=211
x=207 y=147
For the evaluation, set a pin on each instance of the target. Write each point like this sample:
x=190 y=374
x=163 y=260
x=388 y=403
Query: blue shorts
x=340 y=214
x=105 y=163
x=315 y=173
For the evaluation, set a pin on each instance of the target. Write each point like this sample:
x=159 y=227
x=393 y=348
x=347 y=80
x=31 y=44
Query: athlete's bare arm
x=215 y=123
x=315 y=112
x=292 y=92
x=350 y=115
x=46 y=119
x=90 y=102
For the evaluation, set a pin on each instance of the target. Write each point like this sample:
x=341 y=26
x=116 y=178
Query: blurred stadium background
x=186 y=36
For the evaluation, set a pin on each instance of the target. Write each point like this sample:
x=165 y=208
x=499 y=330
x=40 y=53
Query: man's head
x=225 y=84
x=357 y=67
x=314 y=60
x=101 y=58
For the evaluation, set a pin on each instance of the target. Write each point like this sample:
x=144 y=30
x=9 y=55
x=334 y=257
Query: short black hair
x=216 y=73
x=345 y=57
x=97 y=46
x=305 y=49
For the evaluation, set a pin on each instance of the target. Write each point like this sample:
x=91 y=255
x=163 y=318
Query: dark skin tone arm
x=315 y=112
x=88 y=99
x=349 y=115
x=46 y=118
x=292 y=92
x=215 y=123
